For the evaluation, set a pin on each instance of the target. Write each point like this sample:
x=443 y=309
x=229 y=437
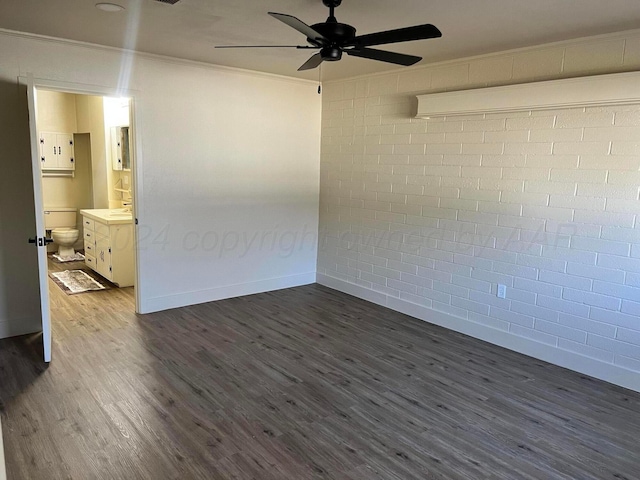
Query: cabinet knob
x=72 y=160
x=42 y=159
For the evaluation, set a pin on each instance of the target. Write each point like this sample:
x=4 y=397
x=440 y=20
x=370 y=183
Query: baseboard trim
x=211 y=295
x=604 y=371
x=3 y=468
x=19 y=326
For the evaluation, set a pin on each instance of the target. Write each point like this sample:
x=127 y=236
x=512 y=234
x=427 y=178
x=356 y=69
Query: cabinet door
x=124 y=148
x=66 y=159
x=103 y=257
x=116 y=148
x=48 y=150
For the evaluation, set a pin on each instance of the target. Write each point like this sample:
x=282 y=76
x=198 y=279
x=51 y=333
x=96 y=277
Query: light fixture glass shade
x=109 y=7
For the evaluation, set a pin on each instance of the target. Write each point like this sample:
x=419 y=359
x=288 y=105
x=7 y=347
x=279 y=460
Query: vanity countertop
x=109 y=216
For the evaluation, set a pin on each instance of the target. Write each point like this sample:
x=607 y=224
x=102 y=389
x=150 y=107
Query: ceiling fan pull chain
x=320 y=80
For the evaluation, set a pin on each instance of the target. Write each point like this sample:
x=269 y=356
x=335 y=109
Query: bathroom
x=86 y=190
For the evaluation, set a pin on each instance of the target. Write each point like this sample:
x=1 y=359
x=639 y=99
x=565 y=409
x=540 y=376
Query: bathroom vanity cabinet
x=56 y=151
x=108 y=245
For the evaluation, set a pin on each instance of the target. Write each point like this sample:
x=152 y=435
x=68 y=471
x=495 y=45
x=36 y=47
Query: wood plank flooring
x=304 y=383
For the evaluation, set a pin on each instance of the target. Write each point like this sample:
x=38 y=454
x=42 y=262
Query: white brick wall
x=437 y=212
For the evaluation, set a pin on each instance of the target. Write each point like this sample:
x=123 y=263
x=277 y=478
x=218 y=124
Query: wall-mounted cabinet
x=56 y=151
x=120 y=148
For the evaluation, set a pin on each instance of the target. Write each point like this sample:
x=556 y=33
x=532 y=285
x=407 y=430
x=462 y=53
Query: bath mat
x=76 y=281
x=76 y=257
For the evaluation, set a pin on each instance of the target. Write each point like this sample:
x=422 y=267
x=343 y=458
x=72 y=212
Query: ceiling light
x=109 y=7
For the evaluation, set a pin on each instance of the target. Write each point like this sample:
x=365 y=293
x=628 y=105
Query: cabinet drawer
x=89 y=236
x=87 y=223
x=101 y=229
x=90 y=261
x=89 y=248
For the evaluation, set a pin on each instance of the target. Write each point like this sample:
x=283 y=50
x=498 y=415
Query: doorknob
x=40 y=241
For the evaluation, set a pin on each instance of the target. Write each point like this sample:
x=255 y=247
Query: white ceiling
x=191 y=28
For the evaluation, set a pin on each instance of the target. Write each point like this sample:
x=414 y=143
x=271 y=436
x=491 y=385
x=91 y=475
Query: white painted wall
x=90 y=114
x=428 y=216
x=221 y=153
x=57 y=112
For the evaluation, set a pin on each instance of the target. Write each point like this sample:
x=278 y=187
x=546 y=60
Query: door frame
x=136 y=154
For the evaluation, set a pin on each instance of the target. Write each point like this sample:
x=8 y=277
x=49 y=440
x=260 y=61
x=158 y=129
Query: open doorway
x=85 y=152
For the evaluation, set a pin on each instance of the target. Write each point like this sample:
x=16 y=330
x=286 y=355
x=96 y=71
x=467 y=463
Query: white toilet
x=62 y=223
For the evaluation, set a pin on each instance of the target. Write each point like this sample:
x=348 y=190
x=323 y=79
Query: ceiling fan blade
x=384 y=56
x=302 y=27
x=312 y=63
x=418 y=32
x=299 y=47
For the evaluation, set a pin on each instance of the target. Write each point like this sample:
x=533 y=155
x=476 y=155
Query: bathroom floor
x=67 y=306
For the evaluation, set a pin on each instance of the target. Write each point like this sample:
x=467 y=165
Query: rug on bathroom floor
x=76 y=257
x=76 y=281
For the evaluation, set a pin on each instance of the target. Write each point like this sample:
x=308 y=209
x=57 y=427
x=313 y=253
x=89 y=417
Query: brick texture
x=438 y=212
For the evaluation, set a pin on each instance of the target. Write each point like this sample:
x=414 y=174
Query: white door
x=48 y=150
x=103 y=257
x=40 y=238
x=65 y=151
x=116 y=148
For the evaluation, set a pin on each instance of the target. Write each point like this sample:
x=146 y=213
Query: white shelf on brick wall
x=597 y=90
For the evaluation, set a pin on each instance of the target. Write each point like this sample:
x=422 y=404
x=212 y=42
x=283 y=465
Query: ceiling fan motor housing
x=336 y=33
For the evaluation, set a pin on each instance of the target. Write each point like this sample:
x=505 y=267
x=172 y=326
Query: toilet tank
x=59 y=217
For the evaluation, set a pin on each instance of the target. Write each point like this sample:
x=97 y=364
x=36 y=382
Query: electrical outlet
x=502 y=291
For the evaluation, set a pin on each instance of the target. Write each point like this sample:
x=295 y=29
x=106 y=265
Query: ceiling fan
x=333 y=39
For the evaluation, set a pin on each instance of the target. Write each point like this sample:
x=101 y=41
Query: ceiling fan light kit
x=333 y=38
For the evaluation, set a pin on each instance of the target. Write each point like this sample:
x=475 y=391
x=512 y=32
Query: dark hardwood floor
x=302 y=383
